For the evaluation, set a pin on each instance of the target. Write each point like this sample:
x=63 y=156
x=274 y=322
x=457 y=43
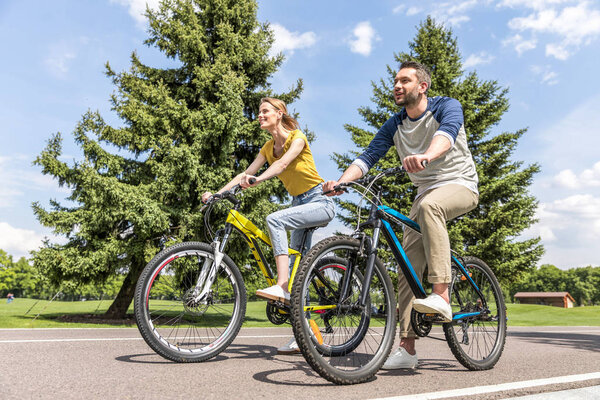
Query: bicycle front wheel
x=477 y=332
x=344 y=342
x=180 y=318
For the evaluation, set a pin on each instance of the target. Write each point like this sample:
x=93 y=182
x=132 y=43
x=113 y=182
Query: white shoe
x=274 y=292
x=400 y=359
x=290 y=348
x=434 y=304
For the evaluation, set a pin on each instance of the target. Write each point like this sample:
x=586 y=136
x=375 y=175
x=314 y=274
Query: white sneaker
x=274 y=292
x=434 y=304
x=290 y=348
x=400 y=359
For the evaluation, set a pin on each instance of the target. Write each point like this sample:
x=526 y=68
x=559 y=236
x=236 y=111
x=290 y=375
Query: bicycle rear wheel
x=173 y=320
x=477 y=332
x=346 y=343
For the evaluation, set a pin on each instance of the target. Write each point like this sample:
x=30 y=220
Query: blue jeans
x=308 y=209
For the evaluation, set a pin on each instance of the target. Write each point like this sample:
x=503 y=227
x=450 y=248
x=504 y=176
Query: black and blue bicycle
x=354 y=307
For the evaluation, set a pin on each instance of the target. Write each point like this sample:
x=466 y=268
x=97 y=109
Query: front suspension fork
x=210 y=267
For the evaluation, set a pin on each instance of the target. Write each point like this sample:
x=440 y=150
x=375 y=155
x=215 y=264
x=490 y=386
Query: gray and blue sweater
x=444 y=116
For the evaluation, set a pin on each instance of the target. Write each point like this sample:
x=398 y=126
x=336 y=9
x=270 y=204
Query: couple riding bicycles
x=426 y=132
x=190 y=300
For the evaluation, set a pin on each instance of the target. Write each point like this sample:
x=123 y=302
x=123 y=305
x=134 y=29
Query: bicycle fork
x=371 y=256
x=210 y=267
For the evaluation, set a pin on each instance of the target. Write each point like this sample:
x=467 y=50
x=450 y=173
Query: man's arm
x=381 y=143
x=352 y=173
x=438 y=147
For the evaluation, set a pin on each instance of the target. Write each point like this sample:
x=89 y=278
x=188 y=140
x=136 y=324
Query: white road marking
x=470 y=391
x=120 y=339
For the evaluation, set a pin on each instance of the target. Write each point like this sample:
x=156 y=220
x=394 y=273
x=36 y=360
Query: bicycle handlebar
x=369 y=178
x=365 y=180
x=226 y=195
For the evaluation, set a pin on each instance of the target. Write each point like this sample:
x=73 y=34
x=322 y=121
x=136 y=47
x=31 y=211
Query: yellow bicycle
x=190 y=300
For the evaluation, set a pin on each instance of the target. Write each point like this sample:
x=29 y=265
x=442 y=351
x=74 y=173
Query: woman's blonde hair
x=287 y=121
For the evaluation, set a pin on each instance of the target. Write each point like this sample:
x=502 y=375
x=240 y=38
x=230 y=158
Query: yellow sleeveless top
x=301 y=174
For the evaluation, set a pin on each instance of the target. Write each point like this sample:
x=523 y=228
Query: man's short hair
x=423 y=72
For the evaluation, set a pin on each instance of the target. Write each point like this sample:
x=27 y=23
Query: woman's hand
x=245 y=181
x=206 y=196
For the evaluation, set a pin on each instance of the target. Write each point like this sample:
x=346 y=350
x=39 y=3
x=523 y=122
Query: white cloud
x=18 y=242
x=364 y=35
x=137 y=8
x=547 y=76
x=399 y=9
x=451 y=12
x=58 y=60
x=558 y=51
x=413 y=11
x=18 y=178
x=587 y=178
x=571 y=24
x=570 y=230
x=520 y=44
x=478 y=59
x=535 y=4
x=286 y=41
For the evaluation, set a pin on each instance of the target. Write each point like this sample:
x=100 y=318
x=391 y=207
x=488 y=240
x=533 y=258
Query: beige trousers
x=432 y=247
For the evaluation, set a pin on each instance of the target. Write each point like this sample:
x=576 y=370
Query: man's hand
x=328 y=187
x=414 y=162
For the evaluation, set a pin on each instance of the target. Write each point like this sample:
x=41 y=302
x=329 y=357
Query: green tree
x=19 y=278
x=506 y=208
x=185 y=130
x=582 y=283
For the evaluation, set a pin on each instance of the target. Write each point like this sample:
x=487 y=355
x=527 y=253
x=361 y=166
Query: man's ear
x=423 y=87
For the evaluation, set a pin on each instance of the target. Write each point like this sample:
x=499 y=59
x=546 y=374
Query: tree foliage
x=18 y=278
x=185 y=130
x=506 y=208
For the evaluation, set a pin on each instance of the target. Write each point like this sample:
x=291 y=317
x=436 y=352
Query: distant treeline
x=581 y=283
x=23 y=280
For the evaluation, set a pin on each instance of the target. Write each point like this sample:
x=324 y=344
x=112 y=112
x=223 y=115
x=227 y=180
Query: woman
x=291 y=160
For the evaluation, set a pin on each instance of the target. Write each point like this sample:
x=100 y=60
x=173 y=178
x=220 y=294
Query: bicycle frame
x=383 y=213
x=380 y=220
x=252 y=235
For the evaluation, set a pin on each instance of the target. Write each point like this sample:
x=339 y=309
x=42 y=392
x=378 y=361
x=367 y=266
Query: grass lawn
x=21 y=313
x=535 y=315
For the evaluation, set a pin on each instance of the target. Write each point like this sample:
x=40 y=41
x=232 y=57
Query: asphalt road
x=117 y=364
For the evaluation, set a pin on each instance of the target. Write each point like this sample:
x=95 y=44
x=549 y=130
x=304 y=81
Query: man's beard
x=410 y=99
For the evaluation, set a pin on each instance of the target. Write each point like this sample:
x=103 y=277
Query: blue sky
x=544 y=51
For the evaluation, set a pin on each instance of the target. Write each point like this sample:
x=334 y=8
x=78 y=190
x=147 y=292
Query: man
x=426 y=131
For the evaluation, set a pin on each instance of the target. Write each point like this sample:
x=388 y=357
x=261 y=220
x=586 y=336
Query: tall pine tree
x=186 y=130
x=491 y=231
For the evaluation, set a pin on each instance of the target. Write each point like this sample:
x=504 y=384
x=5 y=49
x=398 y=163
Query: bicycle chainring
x=419 y=324
x=277 y=315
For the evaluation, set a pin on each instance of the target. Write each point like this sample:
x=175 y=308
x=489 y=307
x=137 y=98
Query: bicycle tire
x=476 y=341
x=358 y=345
x=171 y=321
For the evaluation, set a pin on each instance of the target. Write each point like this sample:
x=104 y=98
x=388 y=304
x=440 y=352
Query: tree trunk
x=118 y=308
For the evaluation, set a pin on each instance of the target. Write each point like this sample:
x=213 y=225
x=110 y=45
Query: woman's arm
x=280 y=165
x=258 y=162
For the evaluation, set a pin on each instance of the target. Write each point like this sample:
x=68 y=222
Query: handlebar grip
x=252 y=181
x=424 y=163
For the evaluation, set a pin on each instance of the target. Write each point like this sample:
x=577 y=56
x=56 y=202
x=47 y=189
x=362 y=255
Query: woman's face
x=268 y=116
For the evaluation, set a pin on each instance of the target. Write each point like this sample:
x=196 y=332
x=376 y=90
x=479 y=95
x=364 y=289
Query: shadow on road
x=580 y=341
x=246 y=352
x=427 y=365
